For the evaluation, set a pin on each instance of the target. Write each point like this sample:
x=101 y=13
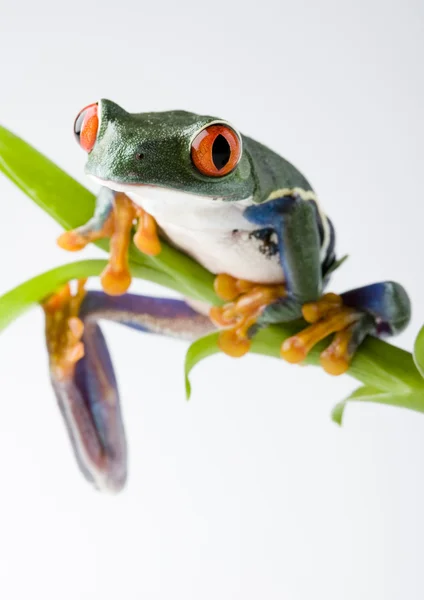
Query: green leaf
x=266 y=342
x=17 y=301
x=336 y=264
x=198 y=350
x=419 y=351
x=337 y=413
x=388 y=373
x=412 y=400
x=56 y=192
x=197 y=281
x=364 y=392
x=376 y=364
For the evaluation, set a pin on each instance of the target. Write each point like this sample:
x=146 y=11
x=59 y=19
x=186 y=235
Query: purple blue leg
x=379 y=309
x=387 y=302
x=86 y=389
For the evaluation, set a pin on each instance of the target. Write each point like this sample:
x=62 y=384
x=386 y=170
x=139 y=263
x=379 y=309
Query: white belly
x=211 y=231
x=226 y=252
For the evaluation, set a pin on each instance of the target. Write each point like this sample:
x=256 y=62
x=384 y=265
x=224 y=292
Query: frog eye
x=86 y=126
x=216 y=150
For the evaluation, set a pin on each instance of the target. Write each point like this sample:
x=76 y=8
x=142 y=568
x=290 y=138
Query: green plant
x=389 y=374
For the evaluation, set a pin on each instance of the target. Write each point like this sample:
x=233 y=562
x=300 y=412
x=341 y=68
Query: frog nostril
x=139 y=155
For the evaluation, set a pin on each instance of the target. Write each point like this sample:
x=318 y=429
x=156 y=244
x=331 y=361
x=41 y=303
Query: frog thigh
x=88 y=394
x=295 y=224
x=387 y=302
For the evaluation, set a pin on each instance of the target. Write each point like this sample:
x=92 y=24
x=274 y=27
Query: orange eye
x=86 y=126
x=216 y=150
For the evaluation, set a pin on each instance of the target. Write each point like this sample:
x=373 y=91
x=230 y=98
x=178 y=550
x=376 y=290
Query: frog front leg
x=113 y=218
x=82 y=374
x=98 y=227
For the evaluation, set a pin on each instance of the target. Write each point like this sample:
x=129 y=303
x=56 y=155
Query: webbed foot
x=327 y=316
x=64 y=330
x=246 y=301
x=116 y=277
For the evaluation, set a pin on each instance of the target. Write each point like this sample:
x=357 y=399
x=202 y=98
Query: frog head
x=177 y=150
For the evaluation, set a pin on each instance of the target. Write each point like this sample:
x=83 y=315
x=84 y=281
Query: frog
x=237 y=208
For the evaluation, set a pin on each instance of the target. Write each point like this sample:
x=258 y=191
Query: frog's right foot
x=117 y=226
x=245 y=303
x=327 y=316
x=378 y=309
x=77 y=239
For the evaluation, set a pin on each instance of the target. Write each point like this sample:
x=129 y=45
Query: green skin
x=165 y=140
x=260 y=222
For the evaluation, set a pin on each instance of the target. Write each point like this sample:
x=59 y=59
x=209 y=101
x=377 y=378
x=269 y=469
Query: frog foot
x=77 y=239
x=64 y=329
x=116 y=277
x=245 y=302
x=327 y=316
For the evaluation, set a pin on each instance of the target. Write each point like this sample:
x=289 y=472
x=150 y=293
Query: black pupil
x=78 y=124
x=221 y=152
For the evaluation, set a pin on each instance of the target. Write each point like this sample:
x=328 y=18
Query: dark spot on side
x=267 y=246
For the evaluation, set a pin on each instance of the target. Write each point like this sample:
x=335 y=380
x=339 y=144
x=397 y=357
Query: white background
x=249 y=491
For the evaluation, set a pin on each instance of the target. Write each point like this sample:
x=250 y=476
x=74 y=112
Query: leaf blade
x=56 y=192
x=198 y=351
x=412 y=400
x=17 y=301
x=418 y=352
x=20 y=299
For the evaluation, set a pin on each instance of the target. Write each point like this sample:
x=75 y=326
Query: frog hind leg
x=306 y=253
x=379 y=309
x=251 y=306
x=82 y=373
x=239 y=315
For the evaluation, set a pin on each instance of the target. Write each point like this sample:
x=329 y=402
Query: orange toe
x=313 y=311
x=333 y=365
x=232 y=345
x=115 y=282
x=64 y=329
x=146 y=237
x=335 y=360
x=245 y=302
x=72 y=241
x=293 y=350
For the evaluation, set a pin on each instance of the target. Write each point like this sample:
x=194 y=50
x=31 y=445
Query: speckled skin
x=164 y=139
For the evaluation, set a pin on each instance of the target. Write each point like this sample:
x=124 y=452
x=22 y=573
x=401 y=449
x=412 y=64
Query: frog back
x=274 y=176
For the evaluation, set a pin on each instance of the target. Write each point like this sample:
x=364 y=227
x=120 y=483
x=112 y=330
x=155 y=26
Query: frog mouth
x=120 y=187
x=156 y=194
x=157 y=190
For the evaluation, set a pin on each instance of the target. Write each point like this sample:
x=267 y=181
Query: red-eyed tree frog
x=240 y=210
